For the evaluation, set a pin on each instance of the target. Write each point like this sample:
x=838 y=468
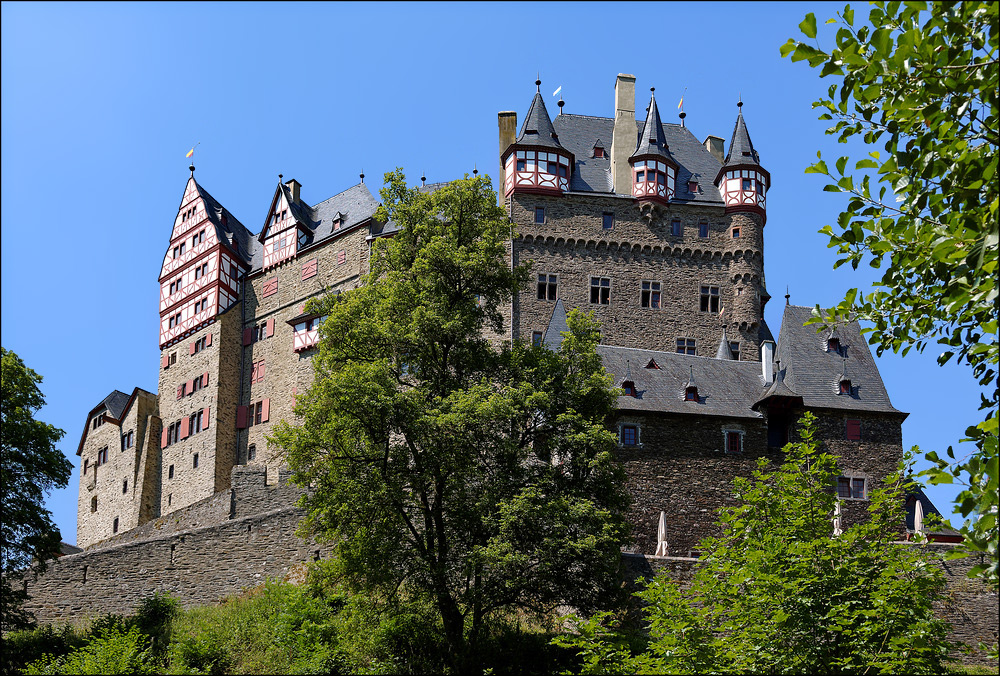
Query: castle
x=659 y=234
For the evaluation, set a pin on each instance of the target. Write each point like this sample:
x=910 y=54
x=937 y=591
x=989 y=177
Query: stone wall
x=340 y=262
x=185 y=554
x=573 y=245
x=969 y=604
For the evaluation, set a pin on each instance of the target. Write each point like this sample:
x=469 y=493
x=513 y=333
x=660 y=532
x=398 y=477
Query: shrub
x=114 y=652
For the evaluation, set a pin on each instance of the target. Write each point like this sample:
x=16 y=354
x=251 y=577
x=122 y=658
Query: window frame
x=690 y=346
x=851 y=482
x=728 y=435
x=708 y=294
x=539 y=210
x=703 y=229
x=605 y=217
x=676 y=228
x=551 y=286
x=650 y=295
x=635 y=430
x=603 y=289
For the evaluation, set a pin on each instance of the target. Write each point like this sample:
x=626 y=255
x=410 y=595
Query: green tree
x=473 y=473
x=922 y=82
x=777 y=594
x=30 y=465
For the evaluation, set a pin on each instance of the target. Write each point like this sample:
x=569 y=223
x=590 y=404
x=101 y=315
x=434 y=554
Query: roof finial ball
x=362 y=175
x=561 y=104
x=475 y=170
x=192 y=169
x=538 y=84
x=280 y=176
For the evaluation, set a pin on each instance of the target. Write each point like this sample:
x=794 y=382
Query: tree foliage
x=476 y=474
x=921 y=82
x=30 y=465
x=776 y=593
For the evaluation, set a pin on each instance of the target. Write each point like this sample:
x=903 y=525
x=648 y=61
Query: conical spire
x=725 y=352
x=652 y=140
x=537 y=129
x=741 y=150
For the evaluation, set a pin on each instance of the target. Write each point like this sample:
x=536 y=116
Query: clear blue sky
x=100 y=103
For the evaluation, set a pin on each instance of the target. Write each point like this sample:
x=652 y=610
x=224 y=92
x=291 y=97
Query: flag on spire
x=680 y=104
x=191 y=152
x=557 y=91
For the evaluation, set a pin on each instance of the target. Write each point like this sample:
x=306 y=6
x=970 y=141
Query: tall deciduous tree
x=30 y=465
x=471 y=472
x=922 y=83
x=777 y=593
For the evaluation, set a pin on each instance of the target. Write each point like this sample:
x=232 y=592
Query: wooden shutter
x=270 y=287
x=165 y=361
x=253 y=372
x=180 y=391
x=204 y=379
x=185 y=427
x=163 y=437
x=270 y=327
x=854 y=430
x=341 y=257
x=260 y=372
x=190 y=386
x=204 y=417
x=247 y=336
x=191 y=346
x=241 y=417
x=265 y=410
x=208 y=340
x=309 y=268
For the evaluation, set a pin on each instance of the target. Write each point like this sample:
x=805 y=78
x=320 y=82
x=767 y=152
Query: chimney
x=766 y=356
x=623 y=140
x=507 y=121
x=713 y=144
x=293 y=187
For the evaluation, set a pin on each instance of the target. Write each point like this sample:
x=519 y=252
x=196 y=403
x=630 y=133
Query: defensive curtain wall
x=240 y=537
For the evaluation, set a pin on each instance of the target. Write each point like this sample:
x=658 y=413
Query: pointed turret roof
x=228 y=228
x=652 y=140
x=537 y=129
x=724 y=352
x=741 y=147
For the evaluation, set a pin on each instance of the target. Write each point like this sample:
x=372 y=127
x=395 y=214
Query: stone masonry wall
x=681 y=468
x=197 y=565
x=969 y=604
x=287 y=372
x=573 y=245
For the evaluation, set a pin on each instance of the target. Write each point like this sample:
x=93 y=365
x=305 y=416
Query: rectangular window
x=128 y=439
x=199 y=345
x=703 y=230
x=551 y=167
x=853 y=431
x=257 y=372
x=608 y=220
x=170 y=472
x=270 y=287
x=252 y=452
x=114 y=525
x=102 y=456
x=124 y=486
x=196 y=460
x=539 y=214
x=194 y=423
x=257 y=412
x=86 y=465
x=547 y=286
x=747 y=184
x=536 y=338
x=736 y=233
x=858 y=489
x=630 y=435
x=710 y=299
x=650 y=294
x=734 y=442
x=734 y=347
x=600 y=290
x=843 y=487
x=675 y=228
x=686 y=346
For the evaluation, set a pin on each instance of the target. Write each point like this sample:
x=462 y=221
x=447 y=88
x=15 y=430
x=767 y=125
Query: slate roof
x=233 y=233
x=724 y=351
x=579 y=133
x=537 y=129
x=652 y=140
x=741 y=151
x=813 y=372
x=929 y=508
x=356 y=204
x=114 y=402
x=725 y=387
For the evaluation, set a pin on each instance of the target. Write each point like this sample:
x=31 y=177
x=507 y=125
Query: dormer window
x=653 y=178
x=598 y=152
x=692 y=187
x=833 y=345
x=628 y=388
x=691 y=394
x=652 y=365
x=845 y=386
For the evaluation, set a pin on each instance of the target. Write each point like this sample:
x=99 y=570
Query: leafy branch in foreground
x=919 y=85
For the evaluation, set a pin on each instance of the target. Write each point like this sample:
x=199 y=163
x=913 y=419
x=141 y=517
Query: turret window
x=710 y=299
x=703 y=230
x=736 y=233
x=608 y=220
x=675 y=228
x=600 y=290
x=539 y=214
x=747 y=184
x=170 y=472
x=650 y=296
x=547 y=286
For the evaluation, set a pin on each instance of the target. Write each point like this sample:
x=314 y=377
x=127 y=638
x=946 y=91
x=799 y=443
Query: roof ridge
x=341 y=193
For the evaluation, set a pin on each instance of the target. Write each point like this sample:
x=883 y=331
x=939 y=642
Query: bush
x=114 y=652
x=21 y=648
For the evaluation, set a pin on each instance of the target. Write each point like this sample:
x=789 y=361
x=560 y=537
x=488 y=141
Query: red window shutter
x=270 y=327
x=191 y=347
x=208 y=340
x=241 y=417
x=190 y=386
x=295 y=391
x=185 y=427
x=265 y=410
x=854 y=430
x=164 y=361
x=260 y=373
x=204 y=379
x=205 y=417
x=246 y=336
x=180 y=391
x=309 y=269
x=253 y=372
x=163 y=437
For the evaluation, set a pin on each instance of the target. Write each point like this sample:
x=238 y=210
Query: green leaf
x=808 y=25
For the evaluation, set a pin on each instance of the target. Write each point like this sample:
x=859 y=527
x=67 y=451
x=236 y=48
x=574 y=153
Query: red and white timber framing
x=200 y=276
x=536 y=171
x=744 y=189
x=281 y=234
